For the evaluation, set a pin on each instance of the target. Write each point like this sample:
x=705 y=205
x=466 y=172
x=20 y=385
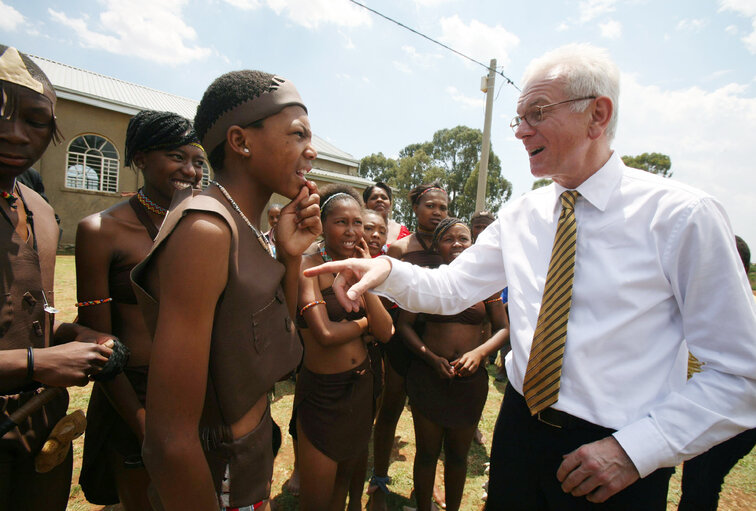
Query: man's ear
x=601 y=114
x=238 y=141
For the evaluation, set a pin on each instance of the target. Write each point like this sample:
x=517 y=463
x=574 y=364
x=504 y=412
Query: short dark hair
x=378 y=184
x=327 y=205
x=225 y=93
x=150 y=130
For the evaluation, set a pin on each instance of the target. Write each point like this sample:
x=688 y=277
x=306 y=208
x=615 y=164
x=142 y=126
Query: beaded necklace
x=260 y=236
x=324 y=254
x=11 y=197
x=150 y=204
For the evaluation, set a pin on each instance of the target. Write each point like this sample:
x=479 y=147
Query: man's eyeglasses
x=535 y=116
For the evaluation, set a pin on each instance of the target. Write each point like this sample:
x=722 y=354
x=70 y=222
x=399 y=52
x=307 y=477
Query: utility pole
x=487 y=86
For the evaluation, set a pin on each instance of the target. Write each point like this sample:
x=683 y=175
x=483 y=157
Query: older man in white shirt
x=653 y=272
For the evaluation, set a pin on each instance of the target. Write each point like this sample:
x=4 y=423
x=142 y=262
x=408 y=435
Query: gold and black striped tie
x=541 y=385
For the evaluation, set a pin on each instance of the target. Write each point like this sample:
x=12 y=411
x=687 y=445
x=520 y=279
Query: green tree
x=452 y=157
x=656 y=163
x=539 y=183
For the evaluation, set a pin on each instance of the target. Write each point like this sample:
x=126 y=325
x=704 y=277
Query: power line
x=434 y=41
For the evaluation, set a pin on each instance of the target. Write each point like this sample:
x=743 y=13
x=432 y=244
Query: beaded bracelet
x=29 y=363
x=492 y=300
x=87 y=303
x=311 y=304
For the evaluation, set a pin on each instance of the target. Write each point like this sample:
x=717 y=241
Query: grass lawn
x=739 y=491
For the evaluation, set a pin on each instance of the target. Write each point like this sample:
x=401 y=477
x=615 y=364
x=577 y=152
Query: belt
x=563 y=420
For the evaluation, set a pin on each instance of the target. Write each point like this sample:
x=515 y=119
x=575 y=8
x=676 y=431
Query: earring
x=246 y=150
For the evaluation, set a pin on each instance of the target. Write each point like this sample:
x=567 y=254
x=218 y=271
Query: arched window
x=92 y=164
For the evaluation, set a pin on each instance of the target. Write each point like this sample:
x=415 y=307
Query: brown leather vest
x=24 y=274
x=253 y=343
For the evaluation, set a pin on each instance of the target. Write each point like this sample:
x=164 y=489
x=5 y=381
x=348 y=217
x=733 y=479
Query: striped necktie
x=541 y=385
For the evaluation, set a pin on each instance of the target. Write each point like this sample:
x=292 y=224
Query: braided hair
x=420 y=190
x=333 y=194
x=150 y=130
x=9 y=91
x=226 y=92
x=443 y=226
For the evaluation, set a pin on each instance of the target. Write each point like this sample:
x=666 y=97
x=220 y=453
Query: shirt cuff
x=401 y=273
x=645 y=445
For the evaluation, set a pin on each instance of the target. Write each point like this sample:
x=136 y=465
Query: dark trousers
x=526 y=454
x=703 y=475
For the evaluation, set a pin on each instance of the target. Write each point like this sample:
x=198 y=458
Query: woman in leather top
x=337 y=384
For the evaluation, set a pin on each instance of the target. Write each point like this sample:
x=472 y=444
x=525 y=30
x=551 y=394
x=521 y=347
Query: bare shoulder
x=208 y=232
x=400 y=247
x=103 y=222
x=311 y=260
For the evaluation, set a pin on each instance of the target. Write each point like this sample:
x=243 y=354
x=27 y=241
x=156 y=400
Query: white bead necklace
x=260 y=236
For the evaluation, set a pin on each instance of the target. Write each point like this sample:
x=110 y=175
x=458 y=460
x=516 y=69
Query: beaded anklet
x=311 y=304
x=87 y=303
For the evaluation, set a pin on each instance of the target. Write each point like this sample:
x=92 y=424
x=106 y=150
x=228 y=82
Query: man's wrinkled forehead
x=540 y=91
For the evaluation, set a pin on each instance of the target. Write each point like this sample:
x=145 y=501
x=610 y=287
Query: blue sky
x=688 y=67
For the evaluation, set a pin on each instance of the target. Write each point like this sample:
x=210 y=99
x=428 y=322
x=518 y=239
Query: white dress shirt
x=656 y=274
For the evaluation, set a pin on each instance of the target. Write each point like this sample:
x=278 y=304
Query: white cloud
x=562 y=27
x=10 y=18
x=146 y=29
x=478 y=40
x=745 y=8
x=592 y=9
x=467 y=101
x=694 y=25
x=707 y=134
x=731 y=29
x=312 y=13
x=611 y=29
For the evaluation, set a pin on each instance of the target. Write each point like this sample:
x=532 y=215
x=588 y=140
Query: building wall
x=75 y=119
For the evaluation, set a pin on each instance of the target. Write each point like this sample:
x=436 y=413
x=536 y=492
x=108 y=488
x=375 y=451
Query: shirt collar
x=598 y=188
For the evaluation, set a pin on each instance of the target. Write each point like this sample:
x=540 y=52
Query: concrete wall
x=75 y=119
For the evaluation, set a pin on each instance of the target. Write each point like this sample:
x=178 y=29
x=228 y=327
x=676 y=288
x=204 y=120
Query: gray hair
x=586 y=70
